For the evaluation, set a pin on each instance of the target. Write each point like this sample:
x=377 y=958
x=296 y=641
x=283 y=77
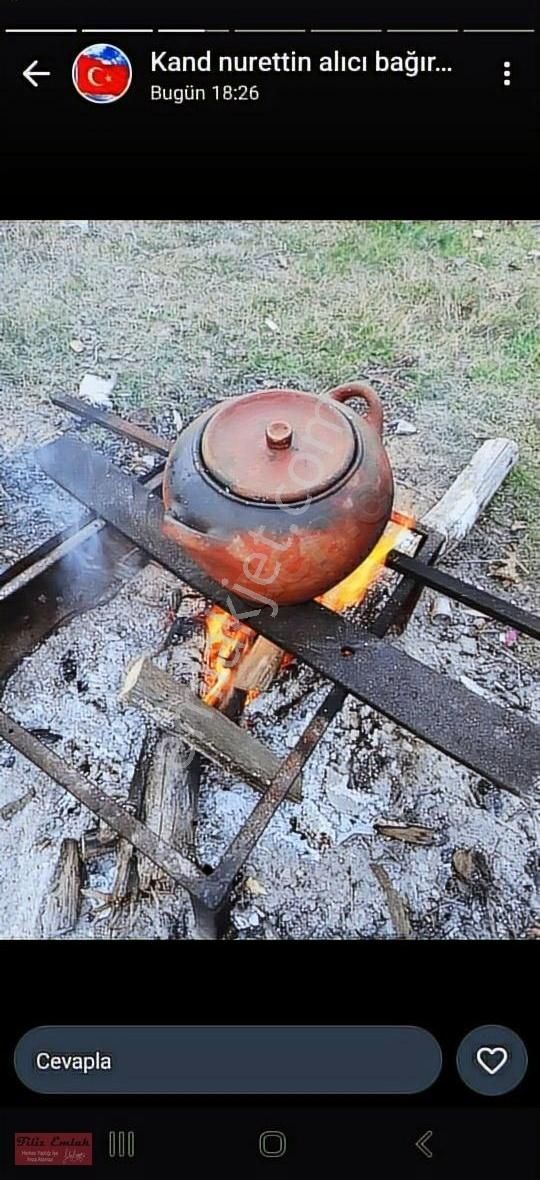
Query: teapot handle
x=374 y=415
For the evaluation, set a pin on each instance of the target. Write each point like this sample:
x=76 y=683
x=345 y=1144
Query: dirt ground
x=442 y=318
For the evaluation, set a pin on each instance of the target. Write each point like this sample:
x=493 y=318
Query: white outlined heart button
x=492 y=1059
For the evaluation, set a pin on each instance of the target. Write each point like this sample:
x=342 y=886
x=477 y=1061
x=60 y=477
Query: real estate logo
x=41 y=1149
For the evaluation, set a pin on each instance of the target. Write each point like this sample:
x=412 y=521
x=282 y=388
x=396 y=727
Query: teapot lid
x=278 y=445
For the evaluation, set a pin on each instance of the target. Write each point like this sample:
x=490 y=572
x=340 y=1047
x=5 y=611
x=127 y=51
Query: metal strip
x=499 y=744
x=481 y=600
x=112 y=422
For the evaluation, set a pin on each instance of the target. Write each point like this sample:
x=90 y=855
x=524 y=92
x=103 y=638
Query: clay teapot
x=280 y=494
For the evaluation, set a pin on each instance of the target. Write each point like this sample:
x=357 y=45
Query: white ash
x=314 y=862
x=89 y=729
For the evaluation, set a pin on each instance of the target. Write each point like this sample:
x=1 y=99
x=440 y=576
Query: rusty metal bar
x=112 y=422
x=480 y=600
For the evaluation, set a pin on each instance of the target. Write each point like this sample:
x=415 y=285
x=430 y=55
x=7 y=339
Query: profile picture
x=102 y=73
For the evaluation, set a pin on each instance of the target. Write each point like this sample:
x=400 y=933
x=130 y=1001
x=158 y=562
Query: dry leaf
x=509 y=569
x=518 y=526
x=533 y=932
x=410 y=833
x=254 y=887
x=76 y=346
x=178 y=421
x=272 y=325
x=471 y=868
x=10 y=809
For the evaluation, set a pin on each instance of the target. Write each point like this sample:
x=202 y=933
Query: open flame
x=354 y=588
x=228 y=640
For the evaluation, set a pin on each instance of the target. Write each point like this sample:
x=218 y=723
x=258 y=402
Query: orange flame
x=228 y=640
x=353 y=588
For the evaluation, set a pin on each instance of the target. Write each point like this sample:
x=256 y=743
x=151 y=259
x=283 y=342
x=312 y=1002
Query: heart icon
x=492 y=1060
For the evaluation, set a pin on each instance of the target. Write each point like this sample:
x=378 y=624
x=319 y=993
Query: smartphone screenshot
x=269 y=592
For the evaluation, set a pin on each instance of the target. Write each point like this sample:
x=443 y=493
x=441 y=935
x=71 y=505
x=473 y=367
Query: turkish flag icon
x=102 y=73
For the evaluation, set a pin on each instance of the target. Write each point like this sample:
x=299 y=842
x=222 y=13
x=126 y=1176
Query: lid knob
x=279 y=435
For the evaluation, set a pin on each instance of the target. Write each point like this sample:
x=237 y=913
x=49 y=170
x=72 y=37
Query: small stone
x=469 y=645
x=404 y=427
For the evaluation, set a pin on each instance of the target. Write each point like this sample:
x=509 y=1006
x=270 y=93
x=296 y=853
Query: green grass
x=442 y=316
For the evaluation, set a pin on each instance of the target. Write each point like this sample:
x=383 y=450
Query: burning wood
x=236 y=660
x=227 y=642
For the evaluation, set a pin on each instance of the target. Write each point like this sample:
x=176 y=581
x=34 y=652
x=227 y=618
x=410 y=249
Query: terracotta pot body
x=279 y=494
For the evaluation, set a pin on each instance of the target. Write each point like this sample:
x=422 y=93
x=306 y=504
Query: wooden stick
x=258 y=668
x=177 y=710
x=168 y=806
x=62 y=902
x=458 y=510
x=163 y=790
x=172 y=769
x=398 y=907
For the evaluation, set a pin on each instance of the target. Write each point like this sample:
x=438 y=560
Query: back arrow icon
x=422 y=1144
x=30 y=73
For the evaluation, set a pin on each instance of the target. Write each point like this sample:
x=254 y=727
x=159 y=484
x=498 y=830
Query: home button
x=272 y=1144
